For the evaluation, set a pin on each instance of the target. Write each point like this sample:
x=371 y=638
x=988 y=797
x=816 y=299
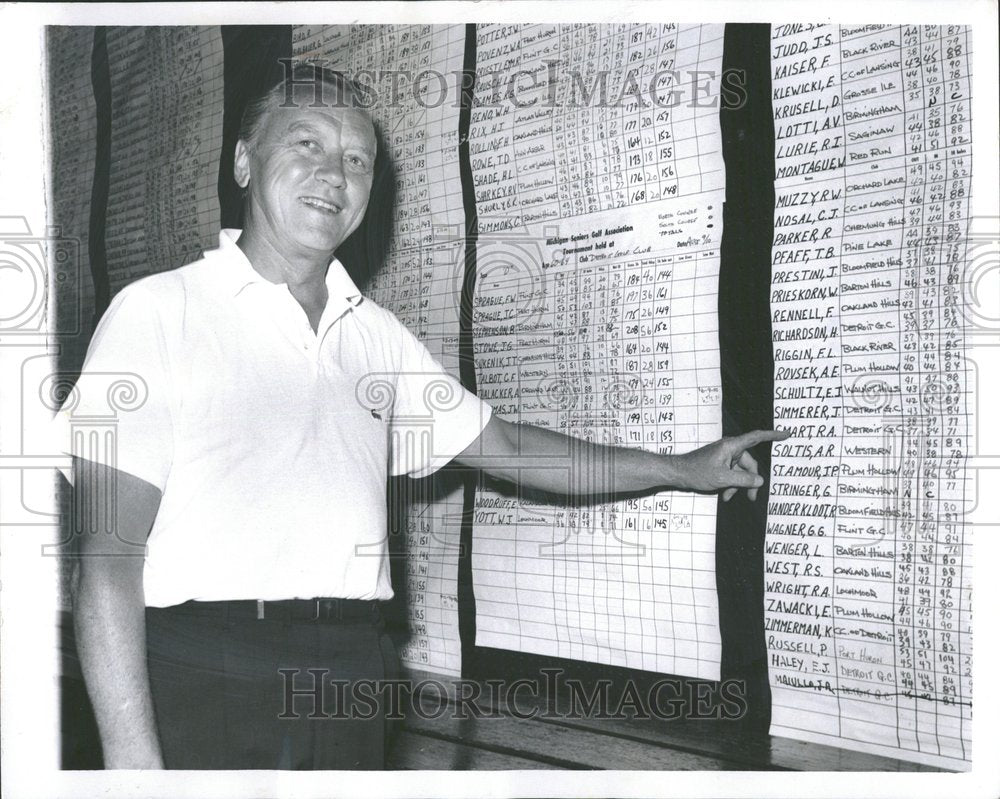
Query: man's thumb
x=742 y=479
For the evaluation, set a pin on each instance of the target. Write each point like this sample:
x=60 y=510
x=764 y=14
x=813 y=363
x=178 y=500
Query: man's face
x=309 y=173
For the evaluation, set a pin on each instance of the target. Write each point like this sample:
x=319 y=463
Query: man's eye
x=309 y=144
x=357 y=162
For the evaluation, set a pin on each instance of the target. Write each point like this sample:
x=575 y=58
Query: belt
x=323 y=610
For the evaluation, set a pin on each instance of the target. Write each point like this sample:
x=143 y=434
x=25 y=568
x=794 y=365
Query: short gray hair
x=331 y=88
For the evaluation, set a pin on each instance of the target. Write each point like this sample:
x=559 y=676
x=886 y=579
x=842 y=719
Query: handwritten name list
x=166 y=141
x=868 y=594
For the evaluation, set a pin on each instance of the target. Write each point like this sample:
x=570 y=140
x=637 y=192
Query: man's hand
x=726 y=464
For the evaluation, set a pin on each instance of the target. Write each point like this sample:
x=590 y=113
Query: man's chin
x=323 y=242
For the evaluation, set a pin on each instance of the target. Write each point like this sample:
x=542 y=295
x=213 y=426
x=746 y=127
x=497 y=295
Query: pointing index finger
x=755 y=437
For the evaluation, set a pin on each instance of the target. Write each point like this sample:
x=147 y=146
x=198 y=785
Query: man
x=252 y=474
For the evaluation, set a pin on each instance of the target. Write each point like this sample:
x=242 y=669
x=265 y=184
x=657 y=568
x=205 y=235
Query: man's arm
x=117 y=512
x=544 y=459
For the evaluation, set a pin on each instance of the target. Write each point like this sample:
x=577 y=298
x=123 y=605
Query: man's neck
x=304 y=275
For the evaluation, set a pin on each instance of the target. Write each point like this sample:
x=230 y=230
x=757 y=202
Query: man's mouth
x=321 y=205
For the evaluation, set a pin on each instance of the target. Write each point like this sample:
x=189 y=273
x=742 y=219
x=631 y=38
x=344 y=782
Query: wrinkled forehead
x=317 y=93
x=322 y=103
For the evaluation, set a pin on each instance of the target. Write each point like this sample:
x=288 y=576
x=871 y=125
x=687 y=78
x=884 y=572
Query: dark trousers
x=231 y=691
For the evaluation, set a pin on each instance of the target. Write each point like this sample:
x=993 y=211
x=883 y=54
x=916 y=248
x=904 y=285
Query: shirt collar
x=235 y=272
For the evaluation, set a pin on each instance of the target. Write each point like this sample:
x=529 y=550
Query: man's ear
x=241 y=164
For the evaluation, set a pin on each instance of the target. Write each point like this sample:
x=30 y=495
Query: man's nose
x=331 y=170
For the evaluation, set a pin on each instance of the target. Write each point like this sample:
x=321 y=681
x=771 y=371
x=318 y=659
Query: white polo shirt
x=270 y=443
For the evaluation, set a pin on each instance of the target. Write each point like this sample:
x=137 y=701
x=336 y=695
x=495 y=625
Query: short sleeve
x=119 y=412
x=433 y=417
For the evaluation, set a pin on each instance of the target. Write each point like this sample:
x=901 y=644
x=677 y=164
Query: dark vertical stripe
x=745 y=350
x=100 y=79
x=468 y=367
x=466 y=595
x=250 y=64
x=80 y=747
